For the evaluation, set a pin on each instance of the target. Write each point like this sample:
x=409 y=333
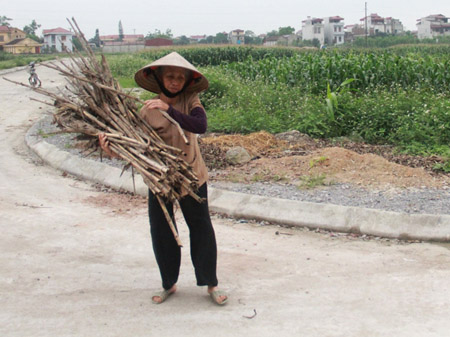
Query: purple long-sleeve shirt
x=195 y=122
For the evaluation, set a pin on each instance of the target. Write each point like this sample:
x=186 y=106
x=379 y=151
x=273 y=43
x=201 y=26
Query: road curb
x=426 y=227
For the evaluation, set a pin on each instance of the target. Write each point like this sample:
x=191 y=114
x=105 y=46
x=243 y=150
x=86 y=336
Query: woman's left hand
x=156 y=104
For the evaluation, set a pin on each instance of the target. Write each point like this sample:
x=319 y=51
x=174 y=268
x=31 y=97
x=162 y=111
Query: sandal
x=215 y=296
x=164 y=294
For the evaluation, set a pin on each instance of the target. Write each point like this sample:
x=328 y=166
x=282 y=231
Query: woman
x=177 y=83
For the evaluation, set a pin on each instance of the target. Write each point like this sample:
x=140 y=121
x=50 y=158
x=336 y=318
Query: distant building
x=237 y=36
x=334 y=30
x=433 y=26
x=377 y=25
x=196 y=38
x=313 y=28
x=15 y=41
x=127 y=38
x=58 y=39
x=270 y=41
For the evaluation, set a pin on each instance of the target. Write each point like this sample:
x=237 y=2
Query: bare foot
x=220 y=299
x=164 y=294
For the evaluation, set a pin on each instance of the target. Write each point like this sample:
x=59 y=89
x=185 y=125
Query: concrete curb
x=296 y=213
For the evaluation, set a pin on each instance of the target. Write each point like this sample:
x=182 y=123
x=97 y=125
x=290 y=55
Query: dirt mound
x=277 y=160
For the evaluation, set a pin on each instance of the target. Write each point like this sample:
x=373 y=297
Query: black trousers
x=202 y=238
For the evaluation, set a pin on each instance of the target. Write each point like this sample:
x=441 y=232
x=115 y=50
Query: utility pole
x=365 y=24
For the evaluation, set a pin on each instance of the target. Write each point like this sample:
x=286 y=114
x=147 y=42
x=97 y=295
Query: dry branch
x=94 y=103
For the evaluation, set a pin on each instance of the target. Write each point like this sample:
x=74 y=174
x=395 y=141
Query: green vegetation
x=397 y=96
x=8 y=61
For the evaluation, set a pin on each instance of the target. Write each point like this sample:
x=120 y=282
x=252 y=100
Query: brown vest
x=170 y=135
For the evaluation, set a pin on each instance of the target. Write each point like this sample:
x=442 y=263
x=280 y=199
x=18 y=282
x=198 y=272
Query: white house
x=377 y=24
x=433 y=26
x=334 y=30
x=58 y=39
x=313 y=28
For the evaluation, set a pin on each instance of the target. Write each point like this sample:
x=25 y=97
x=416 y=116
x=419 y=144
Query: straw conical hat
x=145 y=77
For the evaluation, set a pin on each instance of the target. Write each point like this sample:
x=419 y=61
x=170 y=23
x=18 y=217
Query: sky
x=206 y=17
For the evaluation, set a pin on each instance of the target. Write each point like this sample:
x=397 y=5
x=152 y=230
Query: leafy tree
x=30 y=30
x=220 y=38
x=286 y=30
x=96 y=39
x=4 y=21
x=182 y=40
x=76 y=42
x=157 y=33
x=120 y=31
x=273 y=33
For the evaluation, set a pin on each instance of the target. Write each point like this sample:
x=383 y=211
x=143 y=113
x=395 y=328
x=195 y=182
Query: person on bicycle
x=33 y=79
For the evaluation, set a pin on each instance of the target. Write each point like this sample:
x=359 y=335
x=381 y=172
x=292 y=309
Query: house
x=334 y=30
x=379 y=25
x=196 y=38
x=8 y=34
x=270 y=41
x=58 y=39
x=237 y=36
x=15 y=41
x=23 y=46
x=433 y=26
x=313 y=28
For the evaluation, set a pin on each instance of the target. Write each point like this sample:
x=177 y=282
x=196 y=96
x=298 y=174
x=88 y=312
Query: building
x=196 y=38
x=15 y=41
x=58 y=39
x=23 y=46
x=237 y=36
x=270 y=41
x=127 y=38
x=334 y=30
x=433 y=26
x=313 y=28
x=378 y=25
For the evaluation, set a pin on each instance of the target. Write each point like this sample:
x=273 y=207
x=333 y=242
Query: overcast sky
x=198 y=17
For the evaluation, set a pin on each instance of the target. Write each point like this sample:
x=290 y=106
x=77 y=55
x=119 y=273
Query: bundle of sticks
x=94 y=103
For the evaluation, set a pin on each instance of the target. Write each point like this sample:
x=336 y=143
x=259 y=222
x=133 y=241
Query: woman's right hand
x=104 y=144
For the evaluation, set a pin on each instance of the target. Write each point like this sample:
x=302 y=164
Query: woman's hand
x=104 y=144
x=156 y=104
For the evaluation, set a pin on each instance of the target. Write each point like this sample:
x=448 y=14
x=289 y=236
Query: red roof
x=4 y=29
x=58 y=30
x=336 y=18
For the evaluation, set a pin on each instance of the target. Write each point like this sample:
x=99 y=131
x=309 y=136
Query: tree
x=158 y=34
x=273 y=33
x=4 y=21
x=30 y=30
x=220 y=38
x=182 y=40
x=96 y=39
x=286 y=30
x=120 y=31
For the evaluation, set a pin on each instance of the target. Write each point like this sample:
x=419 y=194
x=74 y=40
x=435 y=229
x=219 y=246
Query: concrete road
x=73 y=266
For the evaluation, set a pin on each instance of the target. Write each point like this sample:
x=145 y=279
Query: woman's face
x=173 y=78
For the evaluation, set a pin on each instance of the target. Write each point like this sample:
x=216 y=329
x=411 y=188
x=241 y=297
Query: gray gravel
x=412 y=200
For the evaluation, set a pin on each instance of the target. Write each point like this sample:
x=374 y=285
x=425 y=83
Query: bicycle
x=34 y=79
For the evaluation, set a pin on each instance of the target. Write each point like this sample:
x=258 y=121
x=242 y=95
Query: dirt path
x=76 y=261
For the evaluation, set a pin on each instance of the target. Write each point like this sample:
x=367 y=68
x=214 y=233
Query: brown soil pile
x=293 y=162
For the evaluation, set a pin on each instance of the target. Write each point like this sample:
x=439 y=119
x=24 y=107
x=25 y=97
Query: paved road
x=72 y=266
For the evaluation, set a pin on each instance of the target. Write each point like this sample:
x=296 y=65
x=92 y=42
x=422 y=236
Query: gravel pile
x=412 y=201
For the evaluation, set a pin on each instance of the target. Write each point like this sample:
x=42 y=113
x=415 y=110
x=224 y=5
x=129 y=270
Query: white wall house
x=377 y=24
x=334 y=30
x=433 y=26
x=313 y=28
x=58 y=39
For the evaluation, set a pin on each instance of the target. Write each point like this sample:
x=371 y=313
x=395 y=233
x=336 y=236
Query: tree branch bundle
x=94 y=103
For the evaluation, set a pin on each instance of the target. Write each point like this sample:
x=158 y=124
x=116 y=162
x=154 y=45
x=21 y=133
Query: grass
x=313 y=181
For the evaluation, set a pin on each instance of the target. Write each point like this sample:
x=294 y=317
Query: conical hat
x=145 y=77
